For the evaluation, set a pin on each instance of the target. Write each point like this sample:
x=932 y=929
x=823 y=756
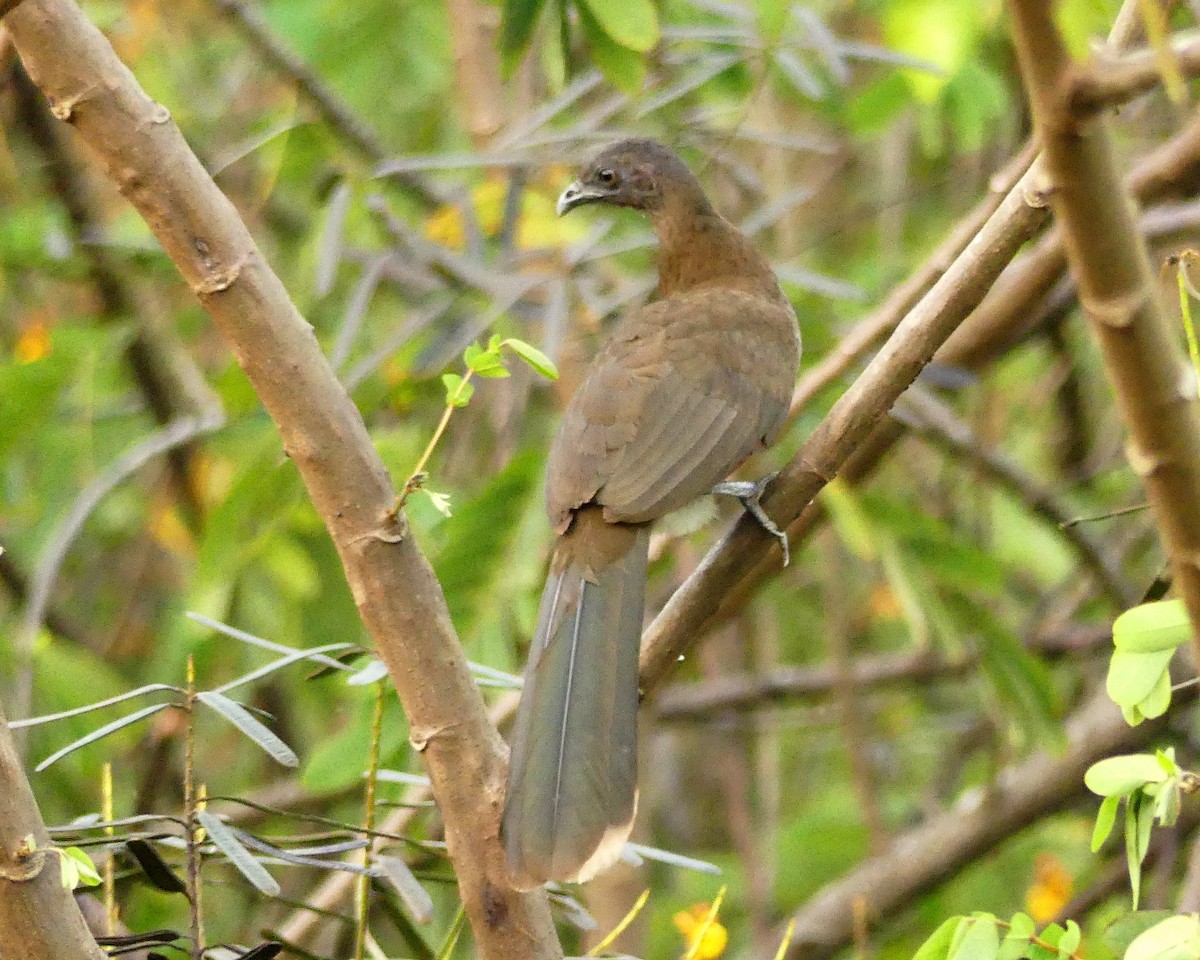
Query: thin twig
x=928 y=417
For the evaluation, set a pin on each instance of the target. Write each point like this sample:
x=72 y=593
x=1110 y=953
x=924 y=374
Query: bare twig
x=38 y=916
x=331 y=108
x=1155 y=385
x=398 y=596
x=1117 y=80
x=929 y=417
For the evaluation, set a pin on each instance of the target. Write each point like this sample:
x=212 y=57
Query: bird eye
x=607 y=177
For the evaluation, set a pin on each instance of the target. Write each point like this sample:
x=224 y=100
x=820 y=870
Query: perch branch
x=398 y=596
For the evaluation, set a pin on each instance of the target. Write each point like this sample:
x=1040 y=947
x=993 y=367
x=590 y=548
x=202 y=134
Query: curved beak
x=576 y=195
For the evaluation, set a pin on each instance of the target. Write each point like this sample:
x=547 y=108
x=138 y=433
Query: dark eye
x=607 y=177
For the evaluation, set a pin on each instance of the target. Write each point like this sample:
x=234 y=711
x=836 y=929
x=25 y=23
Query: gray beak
x=576 y=194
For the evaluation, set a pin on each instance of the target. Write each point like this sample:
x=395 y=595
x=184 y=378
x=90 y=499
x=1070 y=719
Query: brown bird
x=687 y=388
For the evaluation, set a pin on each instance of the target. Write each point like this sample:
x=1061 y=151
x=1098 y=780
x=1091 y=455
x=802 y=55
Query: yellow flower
x=690 y=923
x=1051 y=889
x=537 y=225
x=33 y=343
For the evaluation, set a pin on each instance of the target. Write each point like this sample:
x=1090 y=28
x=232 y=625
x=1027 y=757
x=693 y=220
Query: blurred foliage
x=847 y=136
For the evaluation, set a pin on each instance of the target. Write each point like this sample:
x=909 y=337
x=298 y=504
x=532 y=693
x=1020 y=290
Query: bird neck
x=697 y=247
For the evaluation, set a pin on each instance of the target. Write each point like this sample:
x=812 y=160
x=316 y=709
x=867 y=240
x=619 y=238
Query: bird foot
x=748 y=493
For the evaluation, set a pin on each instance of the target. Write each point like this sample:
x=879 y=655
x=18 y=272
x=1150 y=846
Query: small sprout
x=532 y=356
x=458 y=390
x=440 y=501
x=77 y=869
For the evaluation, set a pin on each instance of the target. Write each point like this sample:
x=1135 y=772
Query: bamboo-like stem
x=195 y=920
x=364 y=881
x=1155 y=386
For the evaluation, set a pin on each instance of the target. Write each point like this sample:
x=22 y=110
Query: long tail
x=572 y=782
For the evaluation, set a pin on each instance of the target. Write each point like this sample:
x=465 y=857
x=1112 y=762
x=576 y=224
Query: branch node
x=419 y=740
x=27 y=863
x=64 y=109
x=1143 y=463
x=1117 y=312
x=217 y=280
x=1039 y=188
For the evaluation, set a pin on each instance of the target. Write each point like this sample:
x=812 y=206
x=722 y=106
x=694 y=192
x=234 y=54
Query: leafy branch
x=479 y=361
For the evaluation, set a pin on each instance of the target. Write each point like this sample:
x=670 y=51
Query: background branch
x=1155 y=385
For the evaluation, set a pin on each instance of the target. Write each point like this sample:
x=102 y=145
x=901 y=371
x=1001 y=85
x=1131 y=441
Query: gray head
x=639 y=173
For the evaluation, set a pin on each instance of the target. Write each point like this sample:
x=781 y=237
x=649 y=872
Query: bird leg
x=748 y=493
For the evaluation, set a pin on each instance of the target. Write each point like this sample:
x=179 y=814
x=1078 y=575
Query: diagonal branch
x=398 y=597
x=928 y=854
x=38 y=916
x=1156 y=387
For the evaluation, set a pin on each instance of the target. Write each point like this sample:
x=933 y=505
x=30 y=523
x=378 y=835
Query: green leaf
x=1166 y=760
x=1021 y=926
x=1068 y=943
x=1135 y=852
x=1134 y=678
x=86 y=874
x=1106 y=818
x=1120 y=776
x=68 y=873
x=458 y=390
x=623 y=67
x=631 y=23
x=772 y=18
x=937 y=947
x=981 y=941
x=1151 y=627
x=1175 y=938
x=1158 y=700
x=517 y=21
x=534 y=357
x=1119 y=934
x=484 y=362
x=1168 y=803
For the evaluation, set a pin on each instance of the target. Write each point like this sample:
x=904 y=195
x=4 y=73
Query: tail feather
x=572 y=789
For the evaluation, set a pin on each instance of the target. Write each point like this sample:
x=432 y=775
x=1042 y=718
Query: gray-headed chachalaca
x=687 y=388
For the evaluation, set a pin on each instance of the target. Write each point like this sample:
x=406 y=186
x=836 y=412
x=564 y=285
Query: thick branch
x=38 y=917
x=1155 y=385
x=930 y=853
x=397 y=594
x=1000 y=321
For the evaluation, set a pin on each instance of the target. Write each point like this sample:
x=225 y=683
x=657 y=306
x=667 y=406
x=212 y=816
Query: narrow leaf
x=416 y=898
x=534 y=357
x=102 y=732
x=229 y=844
x=253 y=728
x=156 y=869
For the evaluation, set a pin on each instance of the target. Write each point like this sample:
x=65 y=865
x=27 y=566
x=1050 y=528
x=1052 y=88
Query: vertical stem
x=110 y=884
x=189 y=812
x=364 y=881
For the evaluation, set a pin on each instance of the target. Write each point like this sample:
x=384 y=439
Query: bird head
x=637 y=173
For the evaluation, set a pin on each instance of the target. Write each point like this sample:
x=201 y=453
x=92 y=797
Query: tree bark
x=38 y=916
x=399 y=599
